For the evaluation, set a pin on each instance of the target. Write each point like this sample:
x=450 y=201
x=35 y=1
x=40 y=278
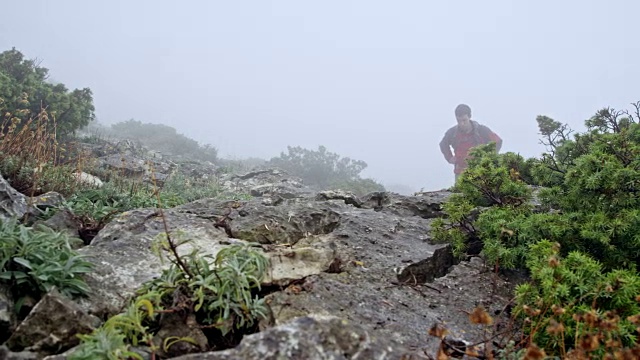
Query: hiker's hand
x=452 y=160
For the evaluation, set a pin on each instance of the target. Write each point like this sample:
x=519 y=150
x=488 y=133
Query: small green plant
x=220 y=288
x=105 y=343
x=34 y=260
x=113 y=338
x=218 y=291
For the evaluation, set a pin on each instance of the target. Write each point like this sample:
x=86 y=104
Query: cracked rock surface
x=375 y=268
x=349 y=277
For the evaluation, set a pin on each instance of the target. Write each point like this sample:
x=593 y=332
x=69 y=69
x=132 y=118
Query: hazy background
x=372 y=80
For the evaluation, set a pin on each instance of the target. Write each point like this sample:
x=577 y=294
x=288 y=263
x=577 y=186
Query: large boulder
x=124 y=260
x=372 y=267
x=369 y=262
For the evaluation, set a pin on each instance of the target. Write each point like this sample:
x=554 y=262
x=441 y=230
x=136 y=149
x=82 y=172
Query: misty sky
x=372 y=80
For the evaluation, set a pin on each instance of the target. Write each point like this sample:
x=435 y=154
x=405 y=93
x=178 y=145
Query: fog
x=372 y=80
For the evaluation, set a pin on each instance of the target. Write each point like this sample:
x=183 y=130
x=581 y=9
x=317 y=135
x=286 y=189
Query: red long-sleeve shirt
x=462 y=142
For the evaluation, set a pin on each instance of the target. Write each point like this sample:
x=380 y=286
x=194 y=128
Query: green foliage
x=24 y=91
x=218 y=287
x=113 y=338
x=494 y=179
x=93 y=208
x=325 y=169
x=117 y=196
x=240 y=166
x=458 y=227
x=186 y=189
x=501 y=245
x=104 y=343
x=599 y=187
x=165 y=139
x=357 y=186
x=34 y=260
x=573 y=298
x=217 y=290
x=121 y=195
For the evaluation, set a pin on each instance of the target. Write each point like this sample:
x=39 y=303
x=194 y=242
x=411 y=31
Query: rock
x=427 y=205
x=128 y=158
x=312 y=337
x=123 y=258
x=136 y=165
x=49 y=199
x=282 y=190
x=197 y=169
x=52 y=326
x=367 y=266
x=12 y=203
x=7 y=319
x=142 y=351
x=310 y=256
x=127 y=165
x=427 y=269
x=271 y=182
x=367 y=260
x=173 y=325
x=283 y=224
x=347 y=197
x=89 y=180
x=65 y=222
x=380 y=252
x=6 y=354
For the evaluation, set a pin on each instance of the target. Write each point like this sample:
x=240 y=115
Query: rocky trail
x=350 y=277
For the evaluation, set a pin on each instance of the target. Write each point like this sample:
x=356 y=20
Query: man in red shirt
x=463 y=136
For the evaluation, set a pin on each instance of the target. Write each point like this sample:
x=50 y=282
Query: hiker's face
x=464 y=122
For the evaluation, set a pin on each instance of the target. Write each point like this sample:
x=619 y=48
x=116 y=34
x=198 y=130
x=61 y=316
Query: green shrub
x=25 y=91
x=34 y=260
x=359 y=187
x=165 y=139
x=325 y=169
x=573 y=299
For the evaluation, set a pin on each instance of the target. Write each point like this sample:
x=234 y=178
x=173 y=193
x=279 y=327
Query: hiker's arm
x=445 y=149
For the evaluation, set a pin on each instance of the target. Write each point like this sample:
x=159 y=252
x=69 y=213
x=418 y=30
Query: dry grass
x=31 y=157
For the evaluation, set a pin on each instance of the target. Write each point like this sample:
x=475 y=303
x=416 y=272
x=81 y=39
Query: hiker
x=462 y=137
